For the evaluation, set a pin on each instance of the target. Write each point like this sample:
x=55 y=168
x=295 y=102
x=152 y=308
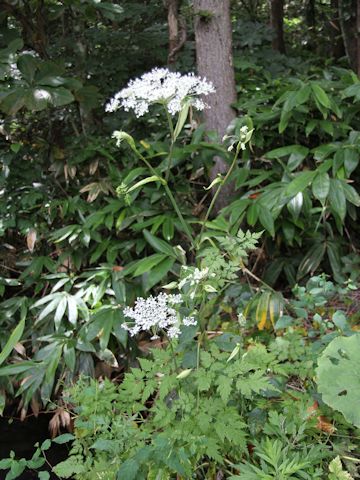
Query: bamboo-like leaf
x=13 y=340
x=262 y=311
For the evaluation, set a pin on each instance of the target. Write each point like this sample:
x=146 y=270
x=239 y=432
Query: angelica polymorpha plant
x=177 y=94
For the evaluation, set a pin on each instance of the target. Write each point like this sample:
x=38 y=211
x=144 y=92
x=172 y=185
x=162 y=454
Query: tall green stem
x=171 y=128
x=169 y=194
x=213 y=201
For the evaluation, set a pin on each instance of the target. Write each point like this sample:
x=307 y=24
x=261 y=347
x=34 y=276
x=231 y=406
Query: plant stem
x=169 y=194
x=213 y=201
x=171 y=128
x=197 y=368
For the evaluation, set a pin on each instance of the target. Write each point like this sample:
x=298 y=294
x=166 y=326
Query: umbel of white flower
x=155 y=314
x=161 y=86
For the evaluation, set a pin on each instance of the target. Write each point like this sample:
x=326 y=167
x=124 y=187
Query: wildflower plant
x=155 y=314
x=177 y=94
x=170 y=89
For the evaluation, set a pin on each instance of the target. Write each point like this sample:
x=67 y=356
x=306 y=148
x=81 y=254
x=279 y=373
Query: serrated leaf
x=224 y=387
x=337 y=472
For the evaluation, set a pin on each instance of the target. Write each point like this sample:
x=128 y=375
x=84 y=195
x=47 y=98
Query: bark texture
x=213 y=37
x=177 y=29
x=277 y=24
x=348 y=17
x=337 y=45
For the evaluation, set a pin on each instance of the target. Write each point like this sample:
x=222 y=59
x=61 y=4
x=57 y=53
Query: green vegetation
x=173 y=337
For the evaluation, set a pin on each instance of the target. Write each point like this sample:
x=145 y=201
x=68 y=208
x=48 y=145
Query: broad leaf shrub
x=301 y=192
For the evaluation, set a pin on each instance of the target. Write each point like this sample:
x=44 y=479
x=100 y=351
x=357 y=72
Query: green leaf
x=303 y=94
x=72 y=310
x=321 y=186
x=181 y=120
x=13 y=340
x=69 y=467
x=337 y=472
x=59 y=313
x=312 y=260
x=128 y=470
x=351 y=161
x=28 y=64
x=288 y=150
x=144 y=181
x=159 y=245
x=168 y=229
x=44 y=475
x=266 y=219
x=158 y=273
x=148 y=263
x=336 y=375
x=337 y=198
x=295 y=205
x=252 y=213
x=224 y=387
x=351 y=194
x=320 y=95
x=300 y=182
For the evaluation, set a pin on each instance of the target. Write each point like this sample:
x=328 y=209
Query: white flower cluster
x=154 y=314
x=195 y=277
x=161 y=86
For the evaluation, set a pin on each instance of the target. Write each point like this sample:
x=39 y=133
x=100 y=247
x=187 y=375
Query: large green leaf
x=337 y=198
x=159 y=245
x=266 y=220
x=337 y=377
x=28 y=64
x=300 y=182
x=321 y=186
x=312 y=260
x=320 y=95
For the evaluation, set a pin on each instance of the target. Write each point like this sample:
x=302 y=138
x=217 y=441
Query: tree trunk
x=276 y=22
x=213 y=37
x=358 y=38
x=310 y=13
x=337 y=45
x=348 y=22
x=177 y=29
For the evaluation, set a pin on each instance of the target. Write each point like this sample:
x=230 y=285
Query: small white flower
x=161 y=86
x=195 y=277
x=154 y=314
x=173 y=332
x=189 y=321
x=241 y=319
